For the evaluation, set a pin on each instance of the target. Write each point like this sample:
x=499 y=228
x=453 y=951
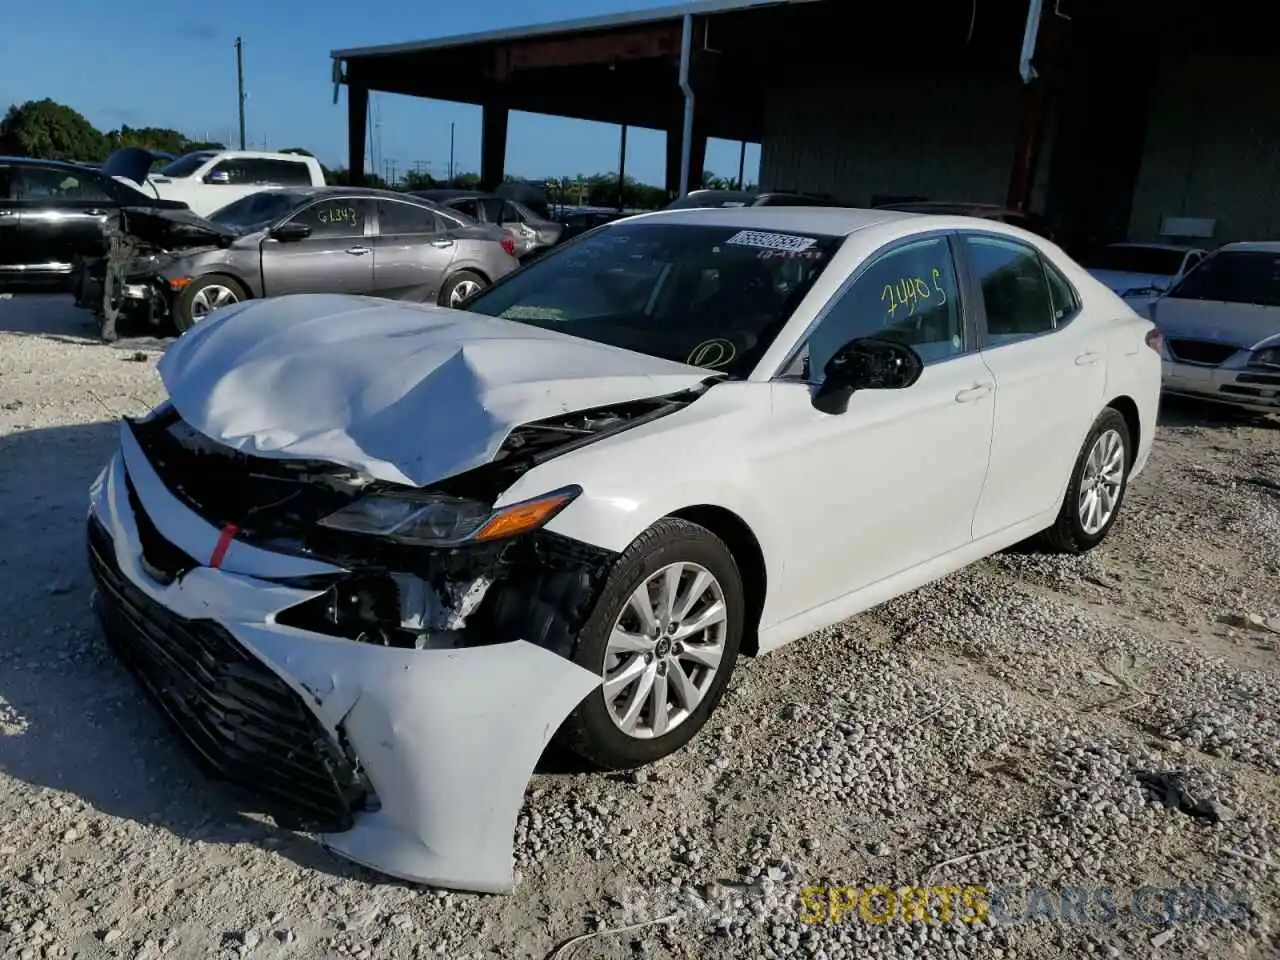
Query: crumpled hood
x=1243 y=325
x=405 y=393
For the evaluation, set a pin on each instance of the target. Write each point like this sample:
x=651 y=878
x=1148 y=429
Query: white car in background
x=208 y=180
x=371 y=556
x=1221 y=328
x=1140 y=272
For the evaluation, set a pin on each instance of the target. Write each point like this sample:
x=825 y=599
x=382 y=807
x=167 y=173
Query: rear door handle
x=358 y=251
x=442 y=243
x=976 y=392
x=95 y=212
x=1087 y=358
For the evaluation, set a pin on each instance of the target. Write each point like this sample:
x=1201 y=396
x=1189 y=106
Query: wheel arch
x=1127 y=408
x=466 y=267
x=747 y=554
x=224 y=272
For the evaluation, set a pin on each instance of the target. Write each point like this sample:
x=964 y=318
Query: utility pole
x=451 y=151
x=240 y=85
x=391 y=180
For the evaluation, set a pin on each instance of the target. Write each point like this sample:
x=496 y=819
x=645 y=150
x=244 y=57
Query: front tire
x=1097 y=488
x=204 y=295
x=664 y=637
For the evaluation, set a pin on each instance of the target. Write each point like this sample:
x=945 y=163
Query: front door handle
x=358 y=251
x=976 y=392
x=8 y=213
x=1088 y=358
x=95 y=212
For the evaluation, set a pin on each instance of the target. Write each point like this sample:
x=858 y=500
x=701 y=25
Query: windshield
x=1240 y=276
x=186 y=165
x=710 y=296
x=256 y=211
x=1149 y=260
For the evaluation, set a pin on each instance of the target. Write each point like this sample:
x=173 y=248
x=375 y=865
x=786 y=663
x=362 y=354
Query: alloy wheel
x=1101 y=482
x=210 y=298
x=665 y=650
x=465 y=290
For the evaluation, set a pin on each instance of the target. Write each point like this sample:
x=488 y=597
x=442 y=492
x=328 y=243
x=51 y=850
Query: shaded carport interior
x=625 y=69
x=1081 y=120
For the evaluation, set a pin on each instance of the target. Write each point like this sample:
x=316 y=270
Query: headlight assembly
x=437 y=520
x=1269 y=357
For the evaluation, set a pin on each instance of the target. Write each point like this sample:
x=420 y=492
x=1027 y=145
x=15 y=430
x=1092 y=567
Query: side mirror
x=867 y=363
x=291 y=231
x=217 y=176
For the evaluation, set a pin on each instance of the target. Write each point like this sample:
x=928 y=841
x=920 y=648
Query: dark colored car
x=577 y=221
x=174 y=266
x=52 y=214
x=748 y=198
x=983 y=211
x=533 y=234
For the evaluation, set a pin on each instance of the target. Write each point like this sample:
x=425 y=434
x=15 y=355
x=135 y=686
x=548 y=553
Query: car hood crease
x=404 y=393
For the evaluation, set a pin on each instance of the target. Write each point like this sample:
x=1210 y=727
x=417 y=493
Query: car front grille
x=263 y=498
x=242 y=723
x=1204 y=352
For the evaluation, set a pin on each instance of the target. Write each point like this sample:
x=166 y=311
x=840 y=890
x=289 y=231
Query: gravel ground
x=988 y=730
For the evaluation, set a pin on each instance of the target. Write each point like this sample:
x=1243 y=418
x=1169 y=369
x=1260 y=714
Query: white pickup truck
x=208 y=180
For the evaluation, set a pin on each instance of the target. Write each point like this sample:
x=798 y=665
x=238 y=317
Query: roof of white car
x=829 y=221
x=1253 y=246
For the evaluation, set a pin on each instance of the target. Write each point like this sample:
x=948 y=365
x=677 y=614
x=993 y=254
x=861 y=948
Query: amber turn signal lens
x=526 y=516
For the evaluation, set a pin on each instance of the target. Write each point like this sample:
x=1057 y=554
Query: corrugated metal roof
x=606 y=22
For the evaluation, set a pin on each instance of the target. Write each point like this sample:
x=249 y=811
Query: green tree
x=162 y=139
x=50 y=131
x=417 y=180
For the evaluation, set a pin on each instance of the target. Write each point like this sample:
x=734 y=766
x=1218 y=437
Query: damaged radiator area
x=539 y=587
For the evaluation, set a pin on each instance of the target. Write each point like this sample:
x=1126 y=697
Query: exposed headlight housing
x=1269 y=357
x=439 y=520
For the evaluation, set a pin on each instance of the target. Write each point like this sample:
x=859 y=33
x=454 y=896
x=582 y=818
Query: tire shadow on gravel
x=72 y=718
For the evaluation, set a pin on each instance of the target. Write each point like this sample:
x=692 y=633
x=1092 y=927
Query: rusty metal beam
x=653 y=43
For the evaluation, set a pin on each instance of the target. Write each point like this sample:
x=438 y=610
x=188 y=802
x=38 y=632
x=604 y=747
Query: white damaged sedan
x=371 y=557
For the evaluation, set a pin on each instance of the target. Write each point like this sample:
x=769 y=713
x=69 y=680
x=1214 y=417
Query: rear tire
x=670 y=668
x=460 y=288
x=204 y=295
x=1101 y=469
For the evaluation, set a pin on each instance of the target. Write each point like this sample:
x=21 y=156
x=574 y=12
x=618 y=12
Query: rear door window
x=1015 y=288
x=402 y=219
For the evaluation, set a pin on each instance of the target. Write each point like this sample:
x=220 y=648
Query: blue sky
x=172 y=64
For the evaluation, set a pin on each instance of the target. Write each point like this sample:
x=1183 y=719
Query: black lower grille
x=1207 y=352
x=243 y=723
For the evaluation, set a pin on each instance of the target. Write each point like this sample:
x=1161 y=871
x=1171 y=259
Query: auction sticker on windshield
x=771 y=241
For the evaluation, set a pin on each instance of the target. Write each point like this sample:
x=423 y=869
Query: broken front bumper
x=412 y=762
